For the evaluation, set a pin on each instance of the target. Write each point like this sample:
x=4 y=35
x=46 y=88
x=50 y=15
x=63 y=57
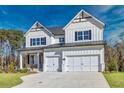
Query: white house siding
x=57 y=38
x=53 y=40
x=97 y=33
x=74 y=51
x=38 y=34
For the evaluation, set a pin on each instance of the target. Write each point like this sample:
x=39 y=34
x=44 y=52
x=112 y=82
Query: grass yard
x=10 y=79
x=115 y=79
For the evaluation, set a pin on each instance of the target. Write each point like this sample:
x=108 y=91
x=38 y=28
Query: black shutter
x=89 y=34
x=28 y=59
x=44 y=40
x=75 y=36
x=31 y=42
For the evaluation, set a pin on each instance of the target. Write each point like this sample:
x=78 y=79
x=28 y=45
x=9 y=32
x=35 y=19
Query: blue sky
x=23 y=17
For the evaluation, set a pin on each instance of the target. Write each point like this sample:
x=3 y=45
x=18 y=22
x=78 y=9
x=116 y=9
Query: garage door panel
x=70 y=64
x=49 y=65
x=94 y=60
x=94 y=68
x=86 y=63
x=52 y=64
x=94 y=63
x=77 y=64
x=56 y=64
x=77 y=61
x=83 y=63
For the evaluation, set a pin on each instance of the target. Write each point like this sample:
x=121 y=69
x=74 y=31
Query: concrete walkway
x=64 y=80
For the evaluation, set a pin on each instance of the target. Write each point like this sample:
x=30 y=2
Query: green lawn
x=115 y=79
x=10 y=79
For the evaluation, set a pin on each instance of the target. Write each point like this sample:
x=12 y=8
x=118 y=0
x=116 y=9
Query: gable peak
x=37 y=25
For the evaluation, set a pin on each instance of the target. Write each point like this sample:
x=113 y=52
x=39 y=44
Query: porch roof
x=30 y=48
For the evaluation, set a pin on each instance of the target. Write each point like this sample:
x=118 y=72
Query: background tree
x=10 y=40
x=111 y=59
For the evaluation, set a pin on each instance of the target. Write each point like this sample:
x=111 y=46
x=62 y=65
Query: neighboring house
x=79 y=46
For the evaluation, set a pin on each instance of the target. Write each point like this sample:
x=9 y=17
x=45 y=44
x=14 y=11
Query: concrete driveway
x=64 y=80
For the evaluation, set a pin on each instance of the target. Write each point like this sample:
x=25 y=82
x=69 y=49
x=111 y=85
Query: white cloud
x=105 y=8
x=115 y=36
x=4 y=12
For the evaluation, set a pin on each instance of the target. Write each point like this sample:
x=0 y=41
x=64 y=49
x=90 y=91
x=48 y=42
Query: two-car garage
x=74 y=59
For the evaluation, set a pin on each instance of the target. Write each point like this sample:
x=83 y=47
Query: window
x=83 y=35
x=37 y=41
x=33 y=41
x=43 y=41
x=87 y=35
x=61 y=40
x=80 y=35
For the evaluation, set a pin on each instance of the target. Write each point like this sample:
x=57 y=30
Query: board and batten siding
x=57 y=38
x=74 y=51
x=96 y=32
x=38 y=34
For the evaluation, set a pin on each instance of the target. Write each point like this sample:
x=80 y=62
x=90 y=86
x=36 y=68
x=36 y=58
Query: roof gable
x=36 y=27
x=85 y=16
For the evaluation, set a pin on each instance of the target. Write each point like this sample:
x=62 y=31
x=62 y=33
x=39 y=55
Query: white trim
x=41 y=25
x=21 y=61
x=87 y=14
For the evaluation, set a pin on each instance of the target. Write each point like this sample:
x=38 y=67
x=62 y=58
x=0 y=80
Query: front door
x=32 y=59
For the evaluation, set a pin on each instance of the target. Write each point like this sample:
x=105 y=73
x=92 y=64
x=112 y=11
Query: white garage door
x=83 y=63
x=52 y=64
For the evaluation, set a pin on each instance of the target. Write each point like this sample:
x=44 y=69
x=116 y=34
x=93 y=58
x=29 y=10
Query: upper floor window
x=61 y=39
x=83 y=35
x=43 y=41
x=37 y=41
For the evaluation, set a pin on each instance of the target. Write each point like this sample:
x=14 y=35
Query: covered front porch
x=31 y=59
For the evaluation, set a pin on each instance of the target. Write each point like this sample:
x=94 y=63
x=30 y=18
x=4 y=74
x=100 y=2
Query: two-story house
x=79 y=46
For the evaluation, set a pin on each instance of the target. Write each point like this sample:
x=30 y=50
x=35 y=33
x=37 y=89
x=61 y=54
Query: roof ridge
x=56 y=27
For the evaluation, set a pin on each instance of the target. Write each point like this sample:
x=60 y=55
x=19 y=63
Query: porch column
x=21 y=63
x=38 y=60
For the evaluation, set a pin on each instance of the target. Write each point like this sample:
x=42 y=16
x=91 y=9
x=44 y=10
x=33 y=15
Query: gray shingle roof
x=56 y=30
x=90 y=43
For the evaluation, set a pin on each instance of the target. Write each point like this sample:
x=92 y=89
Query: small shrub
x=12 y=67
x=25 y=70
x=1 y=71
